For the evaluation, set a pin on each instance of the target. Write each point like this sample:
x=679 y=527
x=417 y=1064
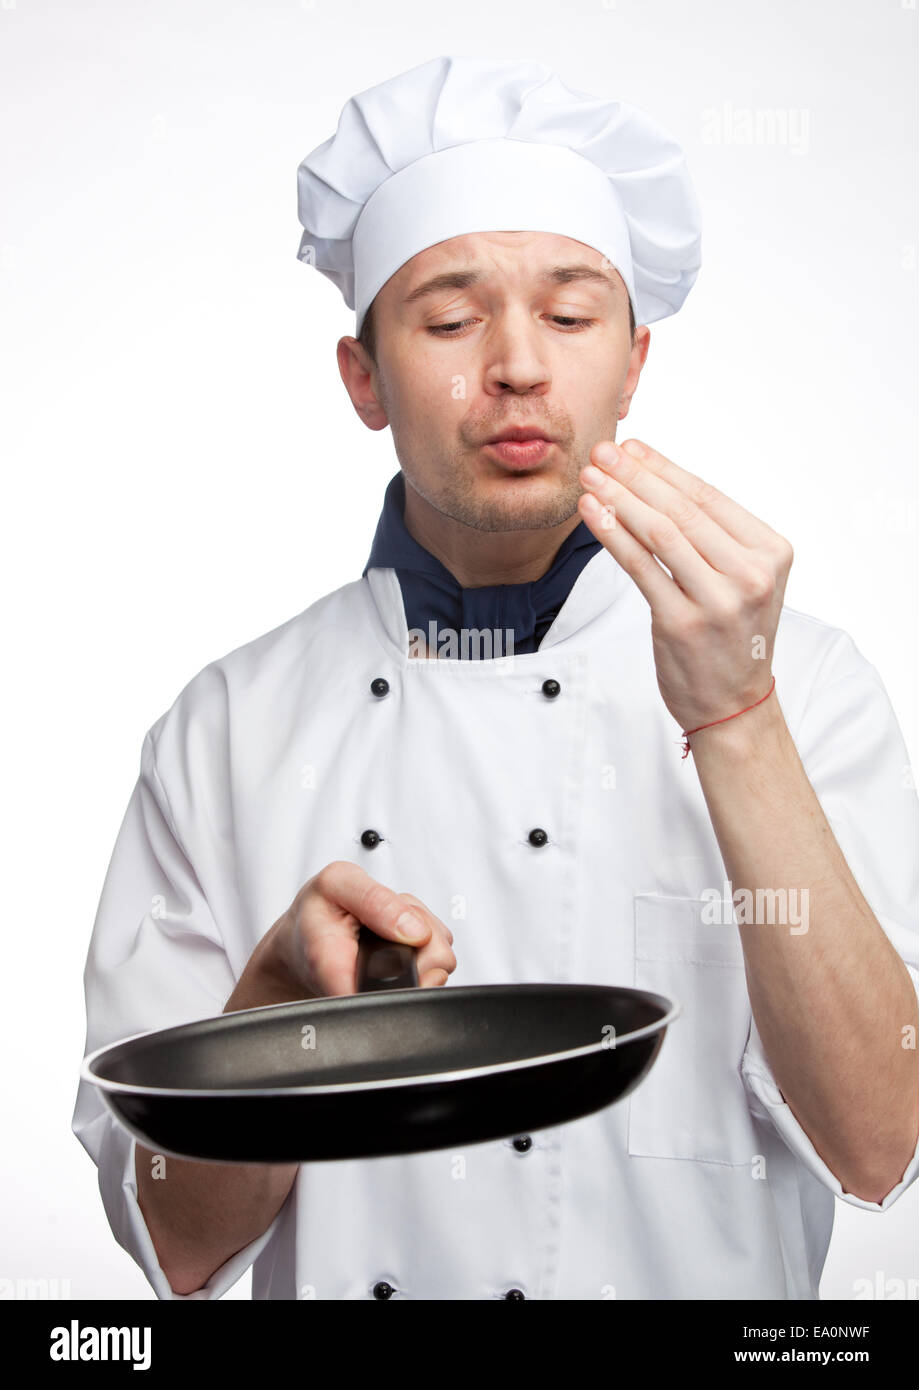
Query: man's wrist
x=266 y=979
x=761 y=729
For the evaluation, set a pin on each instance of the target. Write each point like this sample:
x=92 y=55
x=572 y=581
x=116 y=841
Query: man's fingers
x=435 y=962
x=428 y=914
x=432 y=978
x=343 y=894
x=350 y=889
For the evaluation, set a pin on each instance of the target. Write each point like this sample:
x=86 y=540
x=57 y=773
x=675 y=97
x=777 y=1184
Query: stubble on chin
x=512 y=507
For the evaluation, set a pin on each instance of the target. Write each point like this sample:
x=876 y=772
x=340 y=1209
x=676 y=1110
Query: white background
x=184 y=471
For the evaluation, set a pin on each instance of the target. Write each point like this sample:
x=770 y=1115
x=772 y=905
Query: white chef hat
x=460 y=144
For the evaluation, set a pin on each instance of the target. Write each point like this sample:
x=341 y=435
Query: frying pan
x=392 y=1069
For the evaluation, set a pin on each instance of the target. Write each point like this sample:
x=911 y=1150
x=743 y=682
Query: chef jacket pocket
x=692 y=1104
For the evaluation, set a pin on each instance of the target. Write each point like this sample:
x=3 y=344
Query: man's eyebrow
x=464 y=279
x=565 y=274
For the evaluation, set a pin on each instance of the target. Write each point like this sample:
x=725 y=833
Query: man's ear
x=636 y=362
x=361 y=377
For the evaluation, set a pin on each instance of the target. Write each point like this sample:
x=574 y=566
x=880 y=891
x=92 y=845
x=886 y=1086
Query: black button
x=515 y=1293
x=380 y=686
x=538 y=837
x=383 y=1290
x=550 y=689
x=370 y=839
x=522 y=1143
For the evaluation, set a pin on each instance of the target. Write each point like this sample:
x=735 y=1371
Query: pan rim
x=674 y=1011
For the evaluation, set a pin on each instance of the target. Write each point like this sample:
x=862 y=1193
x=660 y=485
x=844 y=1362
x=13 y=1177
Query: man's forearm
x=199 y=1214
x=831 y=1004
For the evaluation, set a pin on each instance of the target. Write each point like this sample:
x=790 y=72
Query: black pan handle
x=383 y=964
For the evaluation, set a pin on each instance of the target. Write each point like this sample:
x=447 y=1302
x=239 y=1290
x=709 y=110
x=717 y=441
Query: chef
x=563 y=717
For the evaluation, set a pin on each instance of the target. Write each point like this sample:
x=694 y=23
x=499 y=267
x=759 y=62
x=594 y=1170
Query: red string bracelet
x=687 y=732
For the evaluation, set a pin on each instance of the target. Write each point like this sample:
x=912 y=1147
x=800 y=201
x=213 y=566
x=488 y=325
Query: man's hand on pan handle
x=208 y=1211
x=311 y=951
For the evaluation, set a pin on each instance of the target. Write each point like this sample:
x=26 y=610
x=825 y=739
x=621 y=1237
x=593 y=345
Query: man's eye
x=446 y=328
x=566 y=320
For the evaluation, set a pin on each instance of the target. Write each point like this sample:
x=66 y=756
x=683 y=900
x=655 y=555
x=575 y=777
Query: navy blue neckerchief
x=432 y=595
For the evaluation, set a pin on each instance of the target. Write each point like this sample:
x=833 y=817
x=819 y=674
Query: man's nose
x=516 y=359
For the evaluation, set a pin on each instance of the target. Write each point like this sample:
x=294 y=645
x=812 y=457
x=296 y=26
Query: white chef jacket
x=271 y=763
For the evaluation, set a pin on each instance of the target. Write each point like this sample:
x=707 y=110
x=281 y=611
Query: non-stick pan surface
x=395 y=1070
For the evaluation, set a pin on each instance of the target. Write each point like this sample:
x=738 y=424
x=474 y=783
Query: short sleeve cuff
x=762 y=1086
x=136 y=1239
